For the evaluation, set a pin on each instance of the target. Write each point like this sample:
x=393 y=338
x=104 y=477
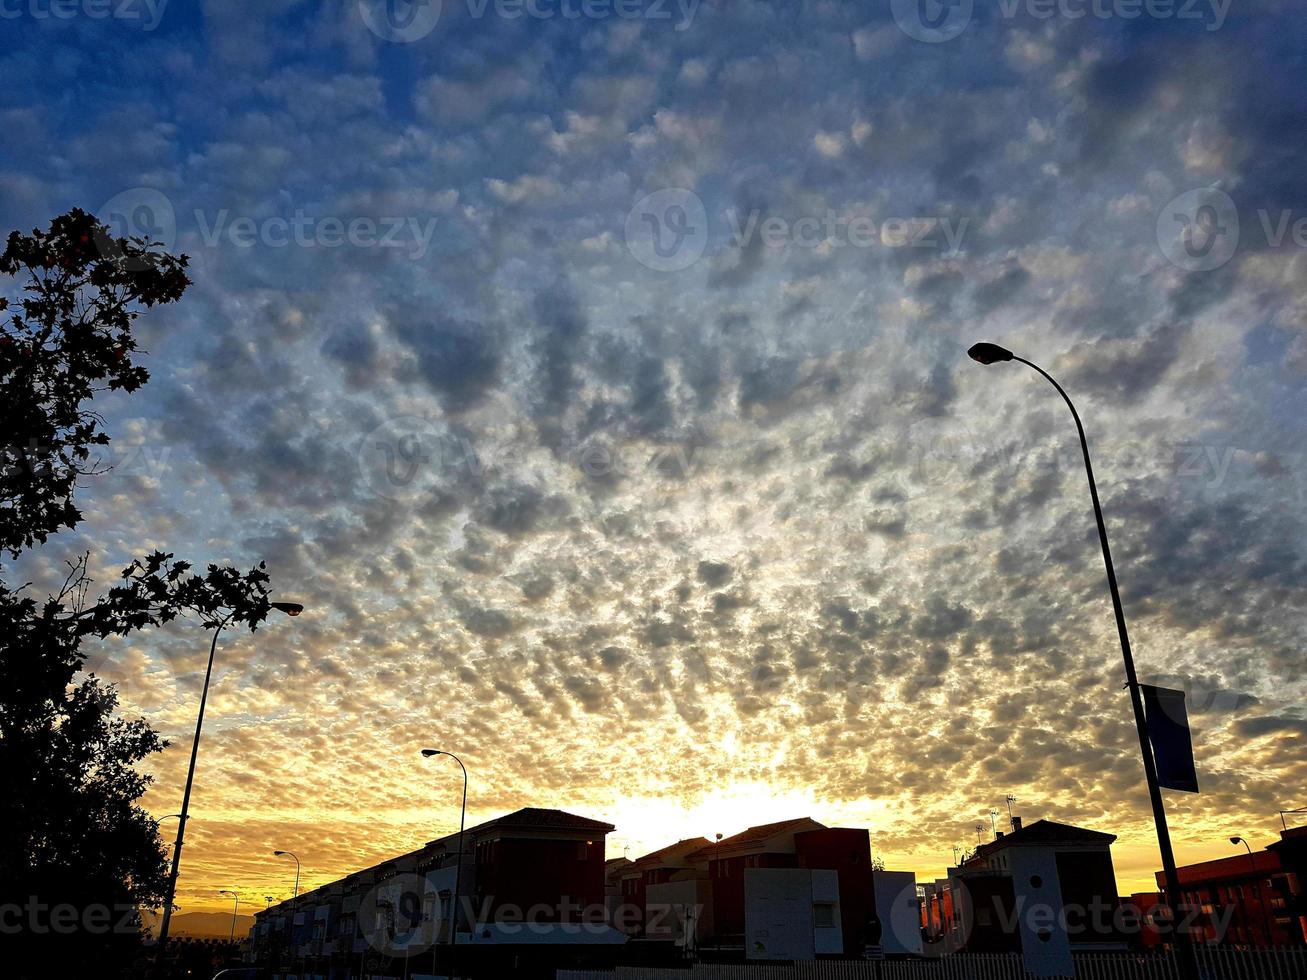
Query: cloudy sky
x=596 y=375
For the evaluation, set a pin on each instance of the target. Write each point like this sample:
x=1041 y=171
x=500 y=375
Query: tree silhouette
x=78 y=855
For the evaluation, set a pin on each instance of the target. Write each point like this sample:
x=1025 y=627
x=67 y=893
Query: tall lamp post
x=458 y=869
x=1257 y=885
x=985 y=353
x=297 y=869
x=234 y=909
x=290 y=609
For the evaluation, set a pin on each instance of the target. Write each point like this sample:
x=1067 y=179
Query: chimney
x=998 y=835
x=1016 y=824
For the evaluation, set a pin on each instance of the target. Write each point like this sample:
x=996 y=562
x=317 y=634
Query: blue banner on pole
x=1168 y=731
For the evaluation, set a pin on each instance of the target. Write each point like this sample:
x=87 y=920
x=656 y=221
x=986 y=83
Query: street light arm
x=1131 y=677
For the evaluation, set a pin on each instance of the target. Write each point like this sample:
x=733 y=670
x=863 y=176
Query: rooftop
x=760 y=835
x=1235 y=866
x=681 y=849
x=1044 y=833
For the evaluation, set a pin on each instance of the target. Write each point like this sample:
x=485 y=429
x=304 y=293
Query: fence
x=1214 y=964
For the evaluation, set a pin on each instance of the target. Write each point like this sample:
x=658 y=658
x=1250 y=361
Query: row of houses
x=531 y=892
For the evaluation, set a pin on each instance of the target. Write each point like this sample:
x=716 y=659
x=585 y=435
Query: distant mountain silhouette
x=203 y=925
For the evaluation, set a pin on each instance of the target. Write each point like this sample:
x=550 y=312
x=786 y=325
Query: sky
x=595 y=374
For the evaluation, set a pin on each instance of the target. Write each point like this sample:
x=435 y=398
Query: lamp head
x=428 y=753
x=1236 y=840
x=289 y=608
x=986 y=353
x=279 y=853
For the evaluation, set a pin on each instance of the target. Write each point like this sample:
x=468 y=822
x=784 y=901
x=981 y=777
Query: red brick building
x=1246 y=901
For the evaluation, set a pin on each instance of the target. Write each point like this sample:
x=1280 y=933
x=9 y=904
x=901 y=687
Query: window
x=823 y=915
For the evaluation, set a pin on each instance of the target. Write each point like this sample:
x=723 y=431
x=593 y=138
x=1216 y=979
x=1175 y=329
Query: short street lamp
x=297 y=868
x=1257 y=890
x=234 y=908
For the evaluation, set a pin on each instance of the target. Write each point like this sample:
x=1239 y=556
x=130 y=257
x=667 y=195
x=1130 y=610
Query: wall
x=1044 y=944
x=671 y=904
x=778 y=914
x=526 y=872
x=895 y=899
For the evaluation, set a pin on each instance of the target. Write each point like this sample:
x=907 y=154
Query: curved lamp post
x=985 y=353
x=458 y=869
x=297 y=869
x=290 y=609
x=1257 y=885
x=232 y=938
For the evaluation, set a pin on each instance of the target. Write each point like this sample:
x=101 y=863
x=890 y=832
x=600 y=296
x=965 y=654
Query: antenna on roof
x=993 y=826
x=980 y=829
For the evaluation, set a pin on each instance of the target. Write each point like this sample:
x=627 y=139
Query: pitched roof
x=681 y=848
x=760 y=834
x=539 y=818
x=1044 y=832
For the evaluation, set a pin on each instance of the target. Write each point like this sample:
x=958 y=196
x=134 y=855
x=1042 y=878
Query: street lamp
x=297 y=868
x=1257 y=885
x=290 y=609
x=458 y=869
x=232 y=938
x=986 y=353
